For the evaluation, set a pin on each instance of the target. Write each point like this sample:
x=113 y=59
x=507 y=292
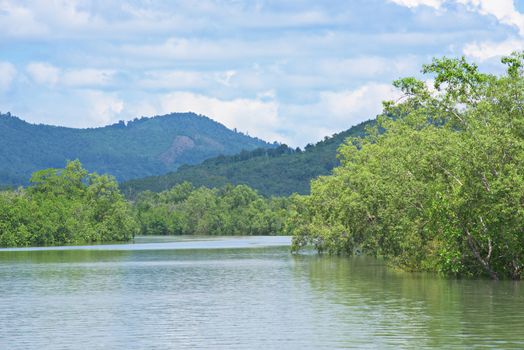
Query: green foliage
x=143 y=147
x=258 y=169
x=230 y=210
x=65 y=206
x=441 y=188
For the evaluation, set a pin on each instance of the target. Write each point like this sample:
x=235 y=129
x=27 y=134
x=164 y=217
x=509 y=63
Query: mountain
x=142 y=147
x=273 y=172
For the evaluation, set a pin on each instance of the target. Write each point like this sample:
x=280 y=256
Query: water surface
x=241 y=293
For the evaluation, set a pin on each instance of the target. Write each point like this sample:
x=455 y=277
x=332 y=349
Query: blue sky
x=292 y=71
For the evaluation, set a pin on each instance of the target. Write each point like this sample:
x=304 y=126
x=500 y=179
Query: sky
x=288 y=71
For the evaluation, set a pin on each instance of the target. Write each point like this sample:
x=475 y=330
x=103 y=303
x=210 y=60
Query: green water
x=241 y=293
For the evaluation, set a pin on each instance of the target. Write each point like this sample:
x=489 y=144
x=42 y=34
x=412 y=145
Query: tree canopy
x=438 y=187
x=230 y=210
x=65 y=206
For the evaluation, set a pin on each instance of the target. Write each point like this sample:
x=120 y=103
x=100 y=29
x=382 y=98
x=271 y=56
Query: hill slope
x=273 y=172
x=143 y=147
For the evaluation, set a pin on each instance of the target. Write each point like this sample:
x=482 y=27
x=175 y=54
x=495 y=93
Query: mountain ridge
x=141 y=147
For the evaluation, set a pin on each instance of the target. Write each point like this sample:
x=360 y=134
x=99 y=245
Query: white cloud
x=186 y=79
x=503 y=10
x=87 y=77
x=370 y=67
x=48 y=74
x=271 y=120
x=292 y=71
x=486 y=50
x=177 y=48
x=102 y=108
x=116 y=19
x=141 y=107
x=335 y=111
x=80 y=108
x=291 y=77
x=43 y=73
x=224 y=78
x=354 y=106
x=7 y=75
x=259 y=118
x=264 y=117
x=46 y=19
x=415 y=3
x=174 y=79
x=19 y=21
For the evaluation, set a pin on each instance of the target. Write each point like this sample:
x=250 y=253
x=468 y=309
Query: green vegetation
x=441 y=188
x=272 y=172
x=65 y=206
x=436 y=183
x=143 y=147
x=230 y=210
x=70 y=206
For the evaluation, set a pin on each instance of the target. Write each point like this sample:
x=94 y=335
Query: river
x=241 y=292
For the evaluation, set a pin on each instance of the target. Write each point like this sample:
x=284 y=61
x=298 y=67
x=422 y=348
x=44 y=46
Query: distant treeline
x=230 y=210
x=246 y=155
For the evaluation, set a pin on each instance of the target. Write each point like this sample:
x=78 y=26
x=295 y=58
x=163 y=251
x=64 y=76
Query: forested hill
x=142 y=147
x=273 y=172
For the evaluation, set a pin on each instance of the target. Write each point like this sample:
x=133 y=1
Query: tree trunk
x=485 y=263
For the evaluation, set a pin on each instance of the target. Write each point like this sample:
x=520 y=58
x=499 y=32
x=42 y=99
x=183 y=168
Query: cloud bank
x=287 y=71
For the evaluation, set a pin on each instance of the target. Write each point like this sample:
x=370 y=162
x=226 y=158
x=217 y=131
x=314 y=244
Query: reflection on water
x=236 y=297
x=416 y=310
